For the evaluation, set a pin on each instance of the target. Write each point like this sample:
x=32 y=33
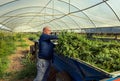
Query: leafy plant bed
x=105 y=55
x=7 y=47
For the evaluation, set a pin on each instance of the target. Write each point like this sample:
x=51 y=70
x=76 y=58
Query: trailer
x=82 y=71
x=78 y=70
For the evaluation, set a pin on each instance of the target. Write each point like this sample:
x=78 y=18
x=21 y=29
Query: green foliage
x=22 y=45
x=105 y=55
x=30 y=68
x=3 y=66
x=33 y=36
x=8 y=44
x=7 y=47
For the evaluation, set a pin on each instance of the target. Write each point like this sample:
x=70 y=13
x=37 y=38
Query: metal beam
x=113 y=11
x=22 y=17
x=31 y=7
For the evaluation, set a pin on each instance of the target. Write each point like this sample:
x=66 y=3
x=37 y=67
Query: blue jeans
x=43 y=69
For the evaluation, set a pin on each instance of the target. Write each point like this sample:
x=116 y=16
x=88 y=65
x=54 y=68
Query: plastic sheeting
x=33 y=15
x=78 y=70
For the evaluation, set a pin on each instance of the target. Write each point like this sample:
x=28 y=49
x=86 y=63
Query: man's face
x=48 y=31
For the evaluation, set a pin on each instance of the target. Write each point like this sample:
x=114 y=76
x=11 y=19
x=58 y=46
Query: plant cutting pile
x=105 y=55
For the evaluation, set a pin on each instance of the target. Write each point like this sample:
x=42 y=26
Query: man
x=45 y=55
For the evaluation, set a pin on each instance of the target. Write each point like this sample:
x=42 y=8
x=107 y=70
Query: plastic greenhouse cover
x=33 y=15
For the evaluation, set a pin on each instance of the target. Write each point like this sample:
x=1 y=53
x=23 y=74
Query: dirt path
x=15 y=64
x=16 y=58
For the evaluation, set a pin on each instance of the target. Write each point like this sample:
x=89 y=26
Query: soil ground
x=15 y=59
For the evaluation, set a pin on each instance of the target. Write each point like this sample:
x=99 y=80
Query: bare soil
x=15 y=64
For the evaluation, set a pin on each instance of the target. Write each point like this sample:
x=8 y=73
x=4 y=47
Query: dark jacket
x=46 y=47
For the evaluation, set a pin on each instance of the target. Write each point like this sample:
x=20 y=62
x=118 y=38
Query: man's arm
x=49 y=37
x=53 y=37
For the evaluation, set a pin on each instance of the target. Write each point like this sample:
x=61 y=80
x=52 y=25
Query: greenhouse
x=88 y=45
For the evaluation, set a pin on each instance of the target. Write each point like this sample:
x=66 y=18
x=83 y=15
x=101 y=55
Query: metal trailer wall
x=114 y=30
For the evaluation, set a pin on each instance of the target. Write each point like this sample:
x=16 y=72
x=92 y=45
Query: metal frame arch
x=21 y=16
x=77 y=11
x=113 y=11
x=49 y=23
x=41 y=7
x=38 y=21
x=38 y=27
x=90 y=7
x=85 y=9
x=55 y=22
x=8 y=2
x=33 y=27
x=67 y=14
x=6 y=30
x=26 y=13
x=3 y=25
x=41 y=10
x=81 y=11
x=32 y=7
x=19 y=9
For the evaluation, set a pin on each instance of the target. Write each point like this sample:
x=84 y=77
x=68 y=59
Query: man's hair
x=45 y=27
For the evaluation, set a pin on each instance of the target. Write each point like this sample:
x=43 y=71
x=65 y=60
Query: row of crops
x=105 y=55
x=7 y=47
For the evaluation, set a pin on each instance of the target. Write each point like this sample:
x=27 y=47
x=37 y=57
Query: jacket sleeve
x=53 y=37
x=49 y=37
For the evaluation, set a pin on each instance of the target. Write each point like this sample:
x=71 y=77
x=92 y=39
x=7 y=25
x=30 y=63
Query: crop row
x=105 y=55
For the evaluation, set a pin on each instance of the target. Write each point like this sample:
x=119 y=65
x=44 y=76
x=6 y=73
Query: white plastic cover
x=33 y=15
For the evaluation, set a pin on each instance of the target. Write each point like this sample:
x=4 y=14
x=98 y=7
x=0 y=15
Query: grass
x=8 y=44
x=7 y=47
x=23 y=45
x=30 y=68
x=3 y=66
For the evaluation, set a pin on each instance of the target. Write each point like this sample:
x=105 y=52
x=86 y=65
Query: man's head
x=47 y=30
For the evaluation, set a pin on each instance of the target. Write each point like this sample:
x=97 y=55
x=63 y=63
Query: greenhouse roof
x=33 y=15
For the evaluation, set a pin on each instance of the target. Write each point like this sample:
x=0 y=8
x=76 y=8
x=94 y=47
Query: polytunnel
x=84 y=44
x=79 y=15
